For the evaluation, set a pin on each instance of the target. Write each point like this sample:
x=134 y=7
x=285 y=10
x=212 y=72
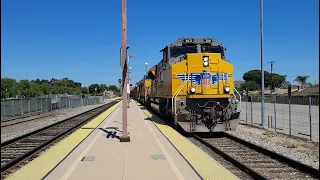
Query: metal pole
x=12 y=108
x=247 y=110
x=36 y=100
x=41 y=105
x=275 y=113
x=262 y=68
x=124 y=137
x=289 y=116
x=4 y=109
x=29 y=105
x=21 y=106
x=46 y=103
x=251 y=111
x=310 y=119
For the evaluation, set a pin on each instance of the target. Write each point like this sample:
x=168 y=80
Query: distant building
x=109 y=94
x=237 y=83
x=308 y=90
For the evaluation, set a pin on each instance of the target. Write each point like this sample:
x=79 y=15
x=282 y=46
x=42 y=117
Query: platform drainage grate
x=88 y=158
x=158 y=157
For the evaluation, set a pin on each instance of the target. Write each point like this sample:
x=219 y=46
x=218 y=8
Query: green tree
x=277 y=80
x=250 y=86
x=23 y=88
x=255 y=76
x=94 y=88
x=302 y=80
x=8 y=87
x=103 y=87
x=113 y=88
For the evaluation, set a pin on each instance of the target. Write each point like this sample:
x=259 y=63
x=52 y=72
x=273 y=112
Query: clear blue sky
x=81 y=39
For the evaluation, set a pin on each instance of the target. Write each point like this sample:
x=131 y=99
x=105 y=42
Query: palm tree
x=302 y=80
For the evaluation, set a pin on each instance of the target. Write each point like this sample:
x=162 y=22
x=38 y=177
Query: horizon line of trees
x=11 y=88
x=252 y=80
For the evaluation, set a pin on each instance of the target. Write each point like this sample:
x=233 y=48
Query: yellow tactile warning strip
x=205 y=165
x=43 y=164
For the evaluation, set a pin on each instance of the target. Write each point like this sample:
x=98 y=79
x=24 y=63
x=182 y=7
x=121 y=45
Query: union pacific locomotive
x=193 y=86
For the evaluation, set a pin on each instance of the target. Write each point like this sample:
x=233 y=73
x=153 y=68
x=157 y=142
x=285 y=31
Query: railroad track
x=257 y=162
x=20 y=120
x=17 y=150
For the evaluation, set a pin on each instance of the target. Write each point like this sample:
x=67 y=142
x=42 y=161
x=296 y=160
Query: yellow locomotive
x=142 y=90
x=193 y=85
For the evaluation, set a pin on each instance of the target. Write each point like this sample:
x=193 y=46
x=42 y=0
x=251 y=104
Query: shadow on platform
x=111 y=134
x=154 y=117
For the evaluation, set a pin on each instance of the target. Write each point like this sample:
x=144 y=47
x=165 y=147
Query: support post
x=262 y=67
x=4 y=109
x=13 y=109
x=275 y=113
x=124 y=64
x=310 y=119
x=251 y=110
x=247 y=109
x=29 y=105
x=289 y=115
x=41 y=105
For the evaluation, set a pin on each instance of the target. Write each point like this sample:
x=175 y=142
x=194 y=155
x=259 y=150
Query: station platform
x=155 y=151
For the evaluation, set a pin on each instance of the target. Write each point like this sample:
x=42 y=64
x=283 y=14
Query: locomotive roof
x=179 y=42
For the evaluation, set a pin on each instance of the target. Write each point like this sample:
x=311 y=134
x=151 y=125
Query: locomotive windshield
x=212 y=49
x=182 y=50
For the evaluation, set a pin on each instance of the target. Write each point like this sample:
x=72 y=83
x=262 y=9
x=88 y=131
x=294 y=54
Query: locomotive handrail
x=176 y=94
x=237 y=92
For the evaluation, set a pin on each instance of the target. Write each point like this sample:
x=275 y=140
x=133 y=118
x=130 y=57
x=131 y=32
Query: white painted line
x=170 y=161
x=85 y=151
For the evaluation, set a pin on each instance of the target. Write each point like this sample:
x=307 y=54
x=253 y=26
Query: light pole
x=88 y=90
x=128 y=85
x=261 y=58
x=145 y=80
x=271 y=64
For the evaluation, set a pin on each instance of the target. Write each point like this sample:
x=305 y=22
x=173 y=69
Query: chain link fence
x=297 y=116
x=24 y=107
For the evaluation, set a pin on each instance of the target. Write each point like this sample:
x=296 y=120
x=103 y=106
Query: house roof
x=312 y=90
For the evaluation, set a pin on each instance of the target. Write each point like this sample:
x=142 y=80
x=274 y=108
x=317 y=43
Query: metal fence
x=297 y=116
x=24 y=107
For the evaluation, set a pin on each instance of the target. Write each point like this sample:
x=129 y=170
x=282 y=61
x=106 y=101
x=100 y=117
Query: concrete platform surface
x=101 y=155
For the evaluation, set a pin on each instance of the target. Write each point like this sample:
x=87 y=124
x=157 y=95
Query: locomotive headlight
x=227 y=89
x=192 y=89
x=205 y=61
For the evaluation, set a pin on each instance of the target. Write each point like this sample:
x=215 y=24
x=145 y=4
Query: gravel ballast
x=10 y=132
x=228 y=165
x=297 y=149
